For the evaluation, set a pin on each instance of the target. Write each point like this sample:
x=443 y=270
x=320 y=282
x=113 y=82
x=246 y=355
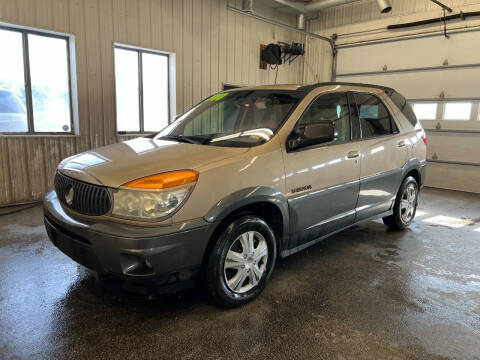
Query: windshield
x=242 y=118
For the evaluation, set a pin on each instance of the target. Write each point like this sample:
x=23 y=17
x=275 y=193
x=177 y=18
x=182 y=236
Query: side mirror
x=313 y=134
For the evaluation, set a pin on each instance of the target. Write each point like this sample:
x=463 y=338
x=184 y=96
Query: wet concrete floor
x=366 y=293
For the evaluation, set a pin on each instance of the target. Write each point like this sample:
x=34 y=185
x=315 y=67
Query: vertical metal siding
x=212 y=46
x=318 y=54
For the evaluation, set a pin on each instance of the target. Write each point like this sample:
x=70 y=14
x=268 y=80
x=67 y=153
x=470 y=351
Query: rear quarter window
x=407 y=110
x=375 y=119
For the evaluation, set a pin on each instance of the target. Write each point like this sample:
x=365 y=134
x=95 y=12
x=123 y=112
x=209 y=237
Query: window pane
x=405 y=107
x=457 y=111
x=425 y=111
x=155 y=91
x=50 y=83
x=13 y=116
x=126 y=82
x=374 y=116
x=330 y=108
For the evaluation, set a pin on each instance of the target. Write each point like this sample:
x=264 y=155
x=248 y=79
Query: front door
x=322 y=180
x=384 y=152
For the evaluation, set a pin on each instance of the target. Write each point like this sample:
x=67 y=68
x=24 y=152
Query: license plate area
x=78 y=250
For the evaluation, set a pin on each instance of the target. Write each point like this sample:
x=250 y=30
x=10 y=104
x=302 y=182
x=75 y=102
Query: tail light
x=423 y=135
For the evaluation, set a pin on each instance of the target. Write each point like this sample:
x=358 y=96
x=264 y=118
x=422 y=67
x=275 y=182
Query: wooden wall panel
x=212 y=46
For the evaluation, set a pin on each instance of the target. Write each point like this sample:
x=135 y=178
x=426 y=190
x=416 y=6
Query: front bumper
x=144 y=255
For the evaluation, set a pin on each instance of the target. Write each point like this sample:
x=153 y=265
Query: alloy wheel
x=246 y=262
x=408 y=203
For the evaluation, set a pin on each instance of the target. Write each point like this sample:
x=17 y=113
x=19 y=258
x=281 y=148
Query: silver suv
x=240 y=179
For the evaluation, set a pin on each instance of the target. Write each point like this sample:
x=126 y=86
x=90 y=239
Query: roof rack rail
x=314 y=86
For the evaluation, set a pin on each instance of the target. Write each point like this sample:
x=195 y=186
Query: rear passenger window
x=375 y=120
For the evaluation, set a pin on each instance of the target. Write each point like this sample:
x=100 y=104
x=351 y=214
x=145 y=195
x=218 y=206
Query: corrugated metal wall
x=318 y=54
x=212 y=46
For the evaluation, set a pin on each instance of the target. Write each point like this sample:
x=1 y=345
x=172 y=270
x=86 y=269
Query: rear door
x=384 y=151
x=323 y=180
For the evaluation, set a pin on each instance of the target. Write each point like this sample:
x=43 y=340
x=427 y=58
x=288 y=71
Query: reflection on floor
x=365 y=293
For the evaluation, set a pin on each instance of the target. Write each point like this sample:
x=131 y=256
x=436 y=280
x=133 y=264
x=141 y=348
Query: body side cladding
x=417 y=165
x=288 y=252
x=413 y=164
x=251 y=196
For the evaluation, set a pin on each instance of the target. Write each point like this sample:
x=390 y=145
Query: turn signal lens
x=164 y=180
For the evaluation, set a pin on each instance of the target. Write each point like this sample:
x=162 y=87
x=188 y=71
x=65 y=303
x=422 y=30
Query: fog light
x=134 y=265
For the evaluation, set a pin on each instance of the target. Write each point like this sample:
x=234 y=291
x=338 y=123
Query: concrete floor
x=364 y=293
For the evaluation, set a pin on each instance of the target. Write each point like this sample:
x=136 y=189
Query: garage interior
x=364 y=293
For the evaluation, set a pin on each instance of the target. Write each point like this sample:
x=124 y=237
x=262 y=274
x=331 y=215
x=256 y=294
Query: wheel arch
x=413 y=168
x=266 y=203
x=415 y=174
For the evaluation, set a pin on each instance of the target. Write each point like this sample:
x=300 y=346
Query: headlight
x=153 y=197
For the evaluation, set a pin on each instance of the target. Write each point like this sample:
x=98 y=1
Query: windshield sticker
x=217 y=97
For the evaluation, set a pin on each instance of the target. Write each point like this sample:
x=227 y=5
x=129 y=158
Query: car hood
x=116 y=164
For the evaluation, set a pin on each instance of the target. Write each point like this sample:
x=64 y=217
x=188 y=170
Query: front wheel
x=241 y=261
x=405 y=205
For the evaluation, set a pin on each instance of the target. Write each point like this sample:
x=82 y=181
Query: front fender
x=250 y=196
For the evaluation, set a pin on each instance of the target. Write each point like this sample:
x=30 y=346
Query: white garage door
x=441 y=77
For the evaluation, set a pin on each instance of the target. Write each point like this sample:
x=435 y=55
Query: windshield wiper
x=181 y=138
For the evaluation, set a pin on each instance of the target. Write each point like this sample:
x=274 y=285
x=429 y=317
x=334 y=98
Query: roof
x=314 y=86
x=269 y=87
x=308 y=88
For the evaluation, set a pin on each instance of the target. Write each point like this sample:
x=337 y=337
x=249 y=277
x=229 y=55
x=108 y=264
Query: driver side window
x=327 y=109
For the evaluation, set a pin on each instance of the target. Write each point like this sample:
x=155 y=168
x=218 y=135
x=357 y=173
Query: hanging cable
x=274 y=67
x=445 y=24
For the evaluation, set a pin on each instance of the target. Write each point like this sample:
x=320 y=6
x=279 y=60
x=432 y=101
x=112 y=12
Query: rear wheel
x=405 y=205
x=241 y=261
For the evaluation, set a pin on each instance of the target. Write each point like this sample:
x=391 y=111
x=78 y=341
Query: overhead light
x=385 y=6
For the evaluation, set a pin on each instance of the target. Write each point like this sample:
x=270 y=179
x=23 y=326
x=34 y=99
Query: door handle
x=353 y=154
x=401 y=143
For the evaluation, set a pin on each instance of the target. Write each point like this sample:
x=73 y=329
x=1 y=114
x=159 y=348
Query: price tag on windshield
x=217 y=97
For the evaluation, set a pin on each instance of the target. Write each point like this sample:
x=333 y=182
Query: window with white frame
x=142 y=82
x=425 y=111
x=457 y=111
x=35 y=84
x=448 y=114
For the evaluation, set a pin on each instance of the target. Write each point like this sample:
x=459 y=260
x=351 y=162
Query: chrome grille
x=88 y=199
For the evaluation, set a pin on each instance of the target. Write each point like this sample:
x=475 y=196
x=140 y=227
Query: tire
x=405 y=206
x=224 y=279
